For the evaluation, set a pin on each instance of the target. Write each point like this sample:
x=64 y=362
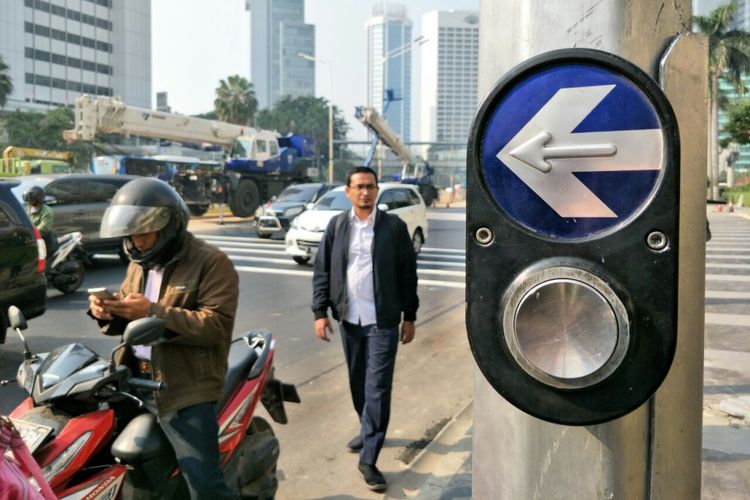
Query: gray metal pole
x=655 y=451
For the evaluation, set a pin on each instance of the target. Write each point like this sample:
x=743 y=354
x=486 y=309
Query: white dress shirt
x=153 y=287
x=360 y=286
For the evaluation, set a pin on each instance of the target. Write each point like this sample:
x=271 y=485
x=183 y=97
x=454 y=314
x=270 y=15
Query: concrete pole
x=655 y=451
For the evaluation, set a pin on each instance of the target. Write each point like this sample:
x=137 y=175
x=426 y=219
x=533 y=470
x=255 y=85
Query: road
x=433 y=374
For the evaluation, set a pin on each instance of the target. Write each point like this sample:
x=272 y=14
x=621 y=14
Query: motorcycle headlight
x=291 y=212
x=63 y=459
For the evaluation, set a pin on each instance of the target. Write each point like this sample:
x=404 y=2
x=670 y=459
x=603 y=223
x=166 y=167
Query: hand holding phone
x=102 y=293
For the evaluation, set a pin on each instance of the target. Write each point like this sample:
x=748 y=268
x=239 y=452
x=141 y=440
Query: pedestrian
x=366 y=272
x=194 y=287
x=41 y=216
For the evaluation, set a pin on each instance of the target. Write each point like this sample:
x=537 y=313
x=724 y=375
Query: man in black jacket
x=366 y=272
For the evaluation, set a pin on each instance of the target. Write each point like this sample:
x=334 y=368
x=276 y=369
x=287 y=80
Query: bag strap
x=10 y=436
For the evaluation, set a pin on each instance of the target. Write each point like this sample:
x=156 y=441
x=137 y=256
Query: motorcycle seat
x=241 y=359
x=142 y=439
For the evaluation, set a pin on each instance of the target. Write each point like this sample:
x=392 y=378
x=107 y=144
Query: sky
x=196 y=43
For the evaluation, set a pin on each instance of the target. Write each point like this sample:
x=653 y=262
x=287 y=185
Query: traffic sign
x=574 y=149
x=572 y=236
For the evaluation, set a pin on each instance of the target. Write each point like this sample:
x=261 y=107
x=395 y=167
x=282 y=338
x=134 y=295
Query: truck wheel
x=245 y=199
x=428 y=194
x=198 y=210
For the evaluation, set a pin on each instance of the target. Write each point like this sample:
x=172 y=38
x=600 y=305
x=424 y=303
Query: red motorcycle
x=78 y=420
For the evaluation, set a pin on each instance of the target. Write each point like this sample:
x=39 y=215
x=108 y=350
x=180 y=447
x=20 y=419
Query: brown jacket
x=198 y=300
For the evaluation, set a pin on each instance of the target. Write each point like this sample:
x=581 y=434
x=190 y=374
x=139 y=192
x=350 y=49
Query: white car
x=402 y=200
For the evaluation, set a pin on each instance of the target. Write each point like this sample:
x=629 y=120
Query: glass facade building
x=57 y=50
x=277 y=34
x=389 y=69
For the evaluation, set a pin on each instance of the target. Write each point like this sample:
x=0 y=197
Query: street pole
x=330 y=142
x=653 y=452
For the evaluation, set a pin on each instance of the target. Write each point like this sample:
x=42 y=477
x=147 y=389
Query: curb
x=432 y=470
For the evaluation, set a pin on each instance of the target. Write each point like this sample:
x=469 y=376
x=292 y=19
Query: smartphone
x=102 y=293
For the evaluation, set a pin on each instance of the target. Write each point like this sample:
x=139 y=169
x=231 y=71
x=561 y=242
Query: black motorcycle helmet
x=144 y=206
x=35 y=194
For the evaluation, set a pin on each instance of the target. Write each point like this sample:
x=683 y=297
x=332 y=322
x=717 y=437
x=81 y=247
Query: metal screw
x=656 y=240
x=484 y=236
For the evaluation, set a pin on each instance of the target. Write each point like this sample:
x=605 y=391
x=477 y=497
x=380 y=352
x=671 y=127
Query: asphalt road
x=433 y=375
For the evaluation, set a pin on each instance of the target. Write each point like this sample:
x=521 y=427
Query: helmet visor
x=127 y=220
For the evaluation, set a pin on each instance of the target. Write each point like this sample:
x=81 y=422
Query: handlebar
x=145 y=384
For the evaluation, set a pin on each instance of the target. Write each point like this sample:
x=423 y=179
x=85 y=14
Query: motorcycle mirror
x=18 y=322
x=16 y=318
x=143 y=331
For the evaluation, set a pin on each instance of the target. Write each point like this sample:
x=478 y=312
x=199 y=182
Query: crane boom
x=371 y=119
x=109 y=115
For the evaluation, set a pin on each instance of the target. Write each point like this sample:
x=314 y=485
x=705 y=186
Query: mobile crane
x=414 y=170
x=260 y=163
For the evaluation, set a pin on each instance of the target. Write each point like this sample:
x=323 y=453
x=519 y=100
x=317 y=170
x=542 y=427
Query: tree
x=728 y=56
x=235 y=101
x=6 y=84
x=45 y=131
x=738 y=125
x=307 y=116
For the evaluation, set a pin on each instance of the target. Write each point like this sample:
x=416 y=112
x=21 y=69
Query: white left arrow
x=545 y=153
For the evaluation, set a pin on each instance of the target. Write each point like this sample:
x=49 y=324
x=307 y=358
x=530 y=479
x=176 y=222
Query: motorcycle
x=65 y=267
x=78 y=423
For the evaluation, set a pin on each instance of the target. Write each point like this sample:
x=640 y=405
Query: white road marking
x=727 y=319
x=721 y=294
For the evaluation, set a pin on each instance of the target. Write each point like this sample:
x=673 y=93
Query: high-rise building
x=449 y=69
x=388 y=68
x=57 y=50
x=277 y=34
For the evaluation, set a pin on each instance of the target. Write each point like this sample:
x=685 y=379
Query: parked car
x=276 y=216
x=402 y=200
x=78 y=202
x=22 y=255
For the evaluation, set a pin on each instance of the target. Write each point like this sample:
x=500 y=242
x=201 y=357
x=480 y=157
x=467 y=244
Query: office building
x=278 y=33
x=449 y=68
x=57 y=50
x=389 y=30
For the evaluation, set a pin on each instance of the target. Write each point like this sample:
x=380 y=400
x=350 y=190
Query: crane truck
x=260 y=163
x=414 y=170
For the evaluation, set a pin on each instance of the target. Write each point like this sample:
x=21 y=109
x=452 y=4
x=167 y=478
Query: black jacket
x=394 y=271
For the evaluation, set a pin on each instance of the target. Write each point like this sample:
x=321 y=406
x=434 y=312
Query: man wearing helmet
x=194 y=287
x=41 y=216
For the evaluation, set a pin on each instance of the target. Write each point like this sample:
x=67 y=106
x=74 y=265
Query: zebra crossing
x=436 y=267
x=728 y=271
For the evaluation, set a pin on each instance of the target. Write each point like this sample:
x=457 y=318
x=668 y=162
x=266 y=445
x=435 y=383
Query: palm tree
x=6 y=85
x=235 y=100
x=728 y=56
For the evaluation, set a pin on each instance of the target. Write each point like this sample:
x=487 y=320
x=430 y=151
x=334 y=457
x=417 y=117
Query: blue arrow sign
x=572 y=150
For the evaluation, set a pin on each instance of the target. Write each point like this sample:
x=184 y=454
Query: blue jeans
x=193 y=432
x=371 y=357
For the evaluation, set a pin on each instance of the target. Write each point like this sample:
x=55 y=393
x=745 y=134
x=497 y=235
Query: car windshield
x=298 y=193
x=335 y=200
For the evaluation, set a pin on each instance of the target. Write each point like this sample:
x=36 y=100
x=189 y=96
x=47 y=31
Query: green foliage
x=6 y=84
x=235 y=101
x=728 y=50
x=738 y=124
x=306 y=116
x=45 y=131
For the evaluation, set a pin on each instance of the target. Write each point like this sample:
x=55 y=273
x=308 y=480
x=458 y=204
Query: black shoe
x=374 y=479
x=355 y=444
